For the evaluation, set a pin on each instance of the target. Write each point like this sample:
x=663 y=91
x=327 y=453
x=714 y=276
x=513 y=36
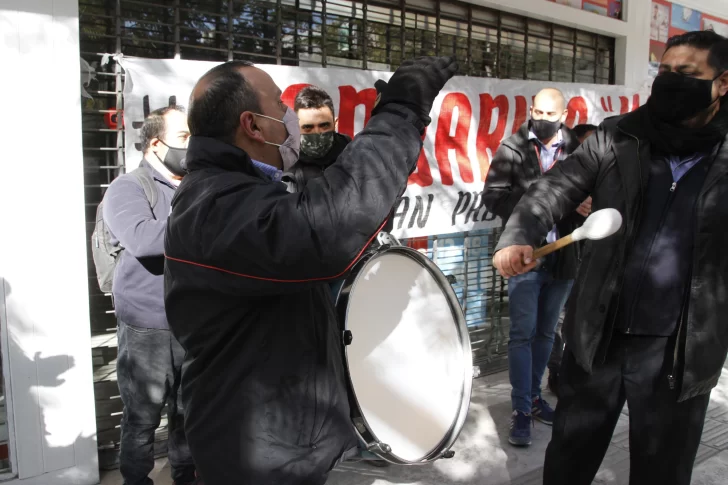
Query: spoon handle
x=554 y=246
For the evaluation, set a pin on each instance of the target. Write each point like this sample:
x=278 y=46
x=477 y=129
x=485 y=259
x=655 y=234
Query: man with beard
x=648 y=325
x=535 y=298
x=248 y=264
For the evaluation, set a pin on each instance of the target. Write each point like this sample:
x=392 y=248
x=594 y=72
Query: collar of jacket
x=203 y=152
x=631 y=123
x=155 y=173
x=519 y=140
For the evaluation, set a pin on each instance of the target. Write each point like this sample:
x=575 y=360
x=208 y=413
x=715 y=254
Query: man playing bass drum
x=248 y=265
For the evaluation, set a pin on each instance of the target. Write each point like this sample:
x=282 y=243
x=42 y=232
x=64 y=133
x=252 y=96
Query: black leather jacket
x=612 y=167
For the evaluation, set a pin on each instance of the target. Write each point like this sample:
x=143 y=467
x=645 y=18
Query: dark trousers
x=148 y=371
x=557 y=351
x=664 y=434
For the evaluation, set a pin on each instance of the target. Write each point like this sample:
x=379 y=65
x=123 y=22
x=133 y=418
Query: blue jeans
x=535 y=301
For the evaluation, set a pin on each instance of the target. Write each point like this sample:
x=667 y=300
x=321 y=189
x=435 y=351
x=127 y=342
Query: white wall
x=45 y=313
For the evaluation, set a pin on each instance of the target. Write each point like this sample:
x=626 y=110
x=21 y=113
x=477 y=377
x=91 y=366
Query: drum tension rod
x=379 y=448
x=348 y=337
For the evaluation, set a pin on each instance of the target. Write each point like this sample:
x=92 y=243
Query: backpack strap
x=148 y=184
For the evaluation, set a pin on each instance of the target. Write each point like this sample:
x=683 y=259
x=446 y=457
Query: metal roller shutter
x=364 y=35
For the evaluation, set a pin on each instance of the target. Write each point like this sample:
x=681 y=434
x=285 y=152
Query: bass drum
x=407 y=354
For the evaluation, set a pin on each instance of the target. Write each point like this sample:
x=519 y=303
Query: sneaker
x=520 y=429
x=542 y=411
x=553 y=383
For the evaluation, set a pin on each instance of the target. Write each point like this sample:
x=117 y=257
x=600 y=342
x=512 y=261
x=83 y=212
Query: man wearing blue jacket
x=150 y=359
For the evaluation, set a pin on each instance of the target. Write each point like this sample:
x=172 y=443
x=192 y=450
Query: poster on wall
x=659 y=33
x=615 y=9
x=470 y=117
x=668 y=19
x=607 y=8
x=660 y=21
x=716 y=25
x=600 y=7
x=683 y=19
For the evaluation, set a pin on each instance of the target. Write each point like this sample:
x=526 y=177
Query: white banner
x=469 y=119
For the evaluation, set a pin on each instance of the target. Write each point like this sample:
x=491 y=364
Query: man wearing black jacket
x=534 y=299
x=321 y=145
x=648 y=324
x=248 y=262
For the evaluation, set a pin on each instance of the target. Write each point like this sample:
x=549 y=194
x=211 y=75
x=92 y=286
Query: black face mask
x=545 y=129
x=677 y=98
x=316 y=145
x=175 y=160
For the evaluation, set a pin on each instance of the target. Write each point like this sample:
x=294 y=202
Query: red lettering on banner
x=349 y=99
x=521 y=113
x=577 y=106
x=289 y=95
x=487 y=139
x=624 y=104
x=422 y=175
x=459 y=141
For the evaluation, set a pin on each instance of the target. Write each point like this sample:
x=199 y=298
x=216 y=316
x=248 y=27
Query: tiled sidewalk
x=484 y=457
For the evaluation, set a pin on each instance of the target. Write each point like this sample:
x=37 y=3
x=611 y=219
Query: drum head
x=409 y=361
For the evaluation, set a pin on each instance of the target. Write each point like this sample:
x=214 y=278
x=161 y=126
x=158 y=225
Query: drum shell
x=364 y=431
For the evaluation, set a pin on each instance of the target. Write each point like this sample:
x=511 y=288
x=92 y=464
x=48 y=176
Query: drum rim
x=342 y=303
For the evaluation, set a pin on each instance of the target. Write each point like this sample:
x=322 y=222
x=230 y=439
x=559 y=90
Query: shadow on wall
x=37 y=407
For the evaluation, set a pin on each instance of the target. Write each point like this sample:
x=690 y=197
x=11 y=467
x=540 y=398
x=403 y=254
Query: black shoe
x=553 y=383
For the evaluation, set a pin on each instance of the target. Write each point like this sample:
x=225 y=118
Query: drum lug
x=447 y=454
x=379 y=448
x=386 y=239
x=451 y=279
x=348 y=337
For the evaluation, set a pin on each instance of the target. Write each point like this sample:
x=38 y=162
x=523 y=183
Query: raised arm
x=273 y=237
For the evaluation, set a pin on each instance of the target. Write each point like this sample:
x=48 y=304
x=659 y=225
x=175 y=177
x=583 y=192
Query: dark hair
x=704 y=40
x=155 y=126
x=582 y=130
x=215 y=113
x=313 y=97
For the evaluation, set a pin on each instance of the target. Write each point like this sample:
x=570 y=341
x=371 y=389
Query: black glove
x=415 y=85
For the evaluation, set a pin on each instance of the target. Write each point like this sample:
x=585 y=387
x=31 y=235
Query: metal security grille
x=363 y=35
